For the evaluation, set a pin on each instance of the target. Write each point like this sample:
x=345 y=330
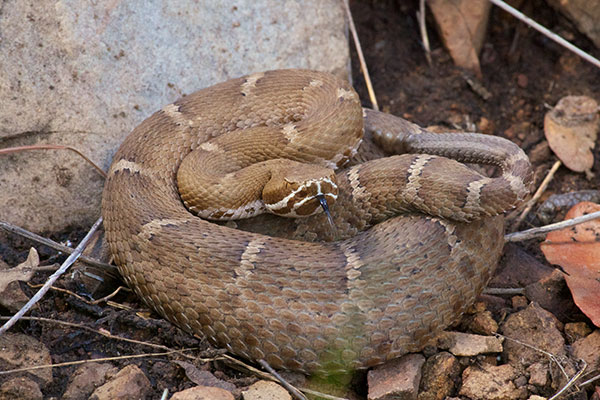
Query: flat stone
x=266 y=390
x=203 y=393
x=20 y=388
x=397 y=379
x=86 y=379
x=440 y=374
x=467 y=344
x=86 y=73
x=22 y=351
x=129 y=383
x=489 y=382
x=537 y=329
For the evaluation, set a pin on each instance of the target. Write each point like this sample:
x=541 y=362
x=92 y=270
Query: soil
x=524 y=72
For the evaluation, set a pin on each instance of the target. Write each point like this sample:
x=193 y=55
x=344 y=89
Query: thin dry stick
x=295 y=392
x=255 y=371
x=320 y=395
x=593 y=379
x=87 y=328
x=423 y=29
x=361 y=58
x=56 y=246
x=538 y=193
x=68 y=262
x=83 y=299
x=549 y=355
x=504 y=291
x=570 y=383
x=78 y=362
x=517 y=14
x=268 y=376
x=53 y=147
x=542 y=230
x=111 y=295
x=554 y=359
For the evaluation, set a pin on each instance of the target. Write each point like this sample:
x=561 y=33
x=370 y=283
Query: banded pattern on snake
x=417 y=236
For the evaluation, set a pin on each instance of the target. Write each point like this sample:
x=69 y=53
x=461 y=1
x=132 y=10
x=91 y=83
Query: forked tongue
x=325 y=206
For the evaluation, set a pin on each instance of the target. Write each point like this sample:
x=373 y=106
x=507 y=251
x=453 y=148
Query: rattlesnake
x=416 y=236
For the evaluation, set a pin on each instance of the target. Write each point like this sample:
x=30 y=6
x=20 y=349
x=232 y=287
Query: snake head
x=300 y=192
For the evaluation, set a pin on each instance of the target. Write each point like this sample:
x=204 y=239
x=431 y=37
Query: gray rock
x=266 y=390
x=84 y=74
x=128 y=383
x=440 y=374
x=538 y=374
x=20 y=388
x=490 y=382
x=22 y=351
x=468 y=344
x=203 y=392
x=398 y=379
x=531 y=330
x=86 y=379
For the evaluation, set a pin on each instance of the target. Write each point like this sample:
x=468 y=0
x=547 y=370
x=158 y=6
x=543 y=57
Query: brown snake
x=417 y=236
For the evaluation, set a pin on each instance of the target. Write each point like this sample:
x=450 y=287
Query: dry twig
x=101 y=332
x=558 y=39
x=423 y=29
x=361 y=58
x=56 y=246
x=79 y=362
x=538 y=193
x=53 y=147
x=542 y=230
x=295 y=392
x=68 y=262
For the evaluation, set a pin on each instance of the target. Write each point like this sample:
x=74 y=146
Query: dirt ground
x=523 y=71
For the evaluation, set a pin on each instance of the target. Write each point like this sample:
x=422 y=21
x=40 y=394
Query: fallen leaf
x=462 y=25
x=571 y=128
x=22 y=272
x=11 y=295
x=577 y=251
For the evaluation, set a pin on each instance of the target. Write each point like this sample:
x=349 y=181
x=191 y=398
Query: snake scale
x=416 y=236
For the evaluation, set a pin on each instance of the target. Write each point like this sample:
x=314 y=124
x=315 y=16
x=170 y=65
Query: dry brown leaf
x=577 y=250
x=571 y=128
x=11 y=295
x=462 y=25
x=22 y=272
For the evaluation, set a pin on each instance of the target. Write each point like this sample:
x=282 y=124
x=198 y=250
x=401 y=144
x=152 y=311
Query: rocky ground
x=523 y=344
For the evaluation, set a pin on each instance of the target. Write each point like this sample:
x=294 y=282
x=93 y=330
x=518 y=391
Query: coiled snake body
x=416 y=236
